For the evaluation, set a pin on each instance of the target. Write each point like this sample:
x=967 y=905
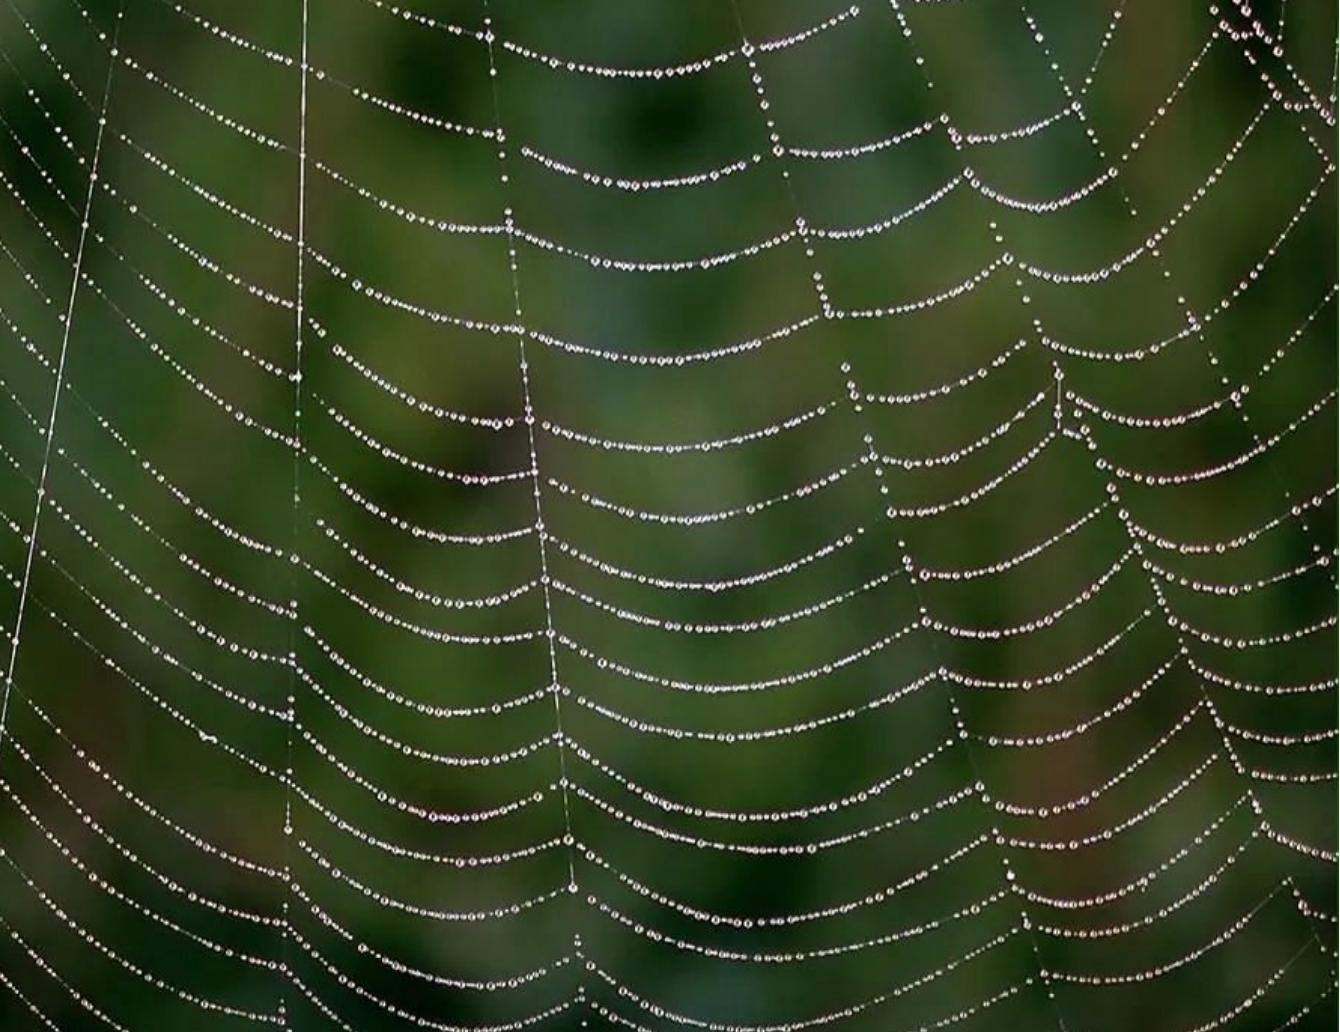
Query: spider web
x=728 y=516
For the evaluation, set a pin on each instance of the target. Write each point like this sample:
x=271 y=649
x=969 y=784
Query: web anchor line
x=295 y=565
x=58 y=389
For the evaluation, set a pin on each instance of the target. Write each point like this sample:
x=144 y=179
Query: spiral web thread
x=865 y=561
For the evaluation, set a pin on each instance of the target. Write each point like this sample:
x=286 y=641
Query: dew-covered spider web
x=690 y=514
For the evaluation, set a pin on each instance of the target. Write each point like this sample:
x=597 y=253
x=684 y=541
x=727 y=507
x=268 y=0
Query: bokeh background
x=1156 y=760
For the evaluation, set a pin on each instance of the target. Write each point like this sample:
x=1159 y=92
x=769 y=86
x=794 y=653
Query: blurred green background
x=144 y=744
